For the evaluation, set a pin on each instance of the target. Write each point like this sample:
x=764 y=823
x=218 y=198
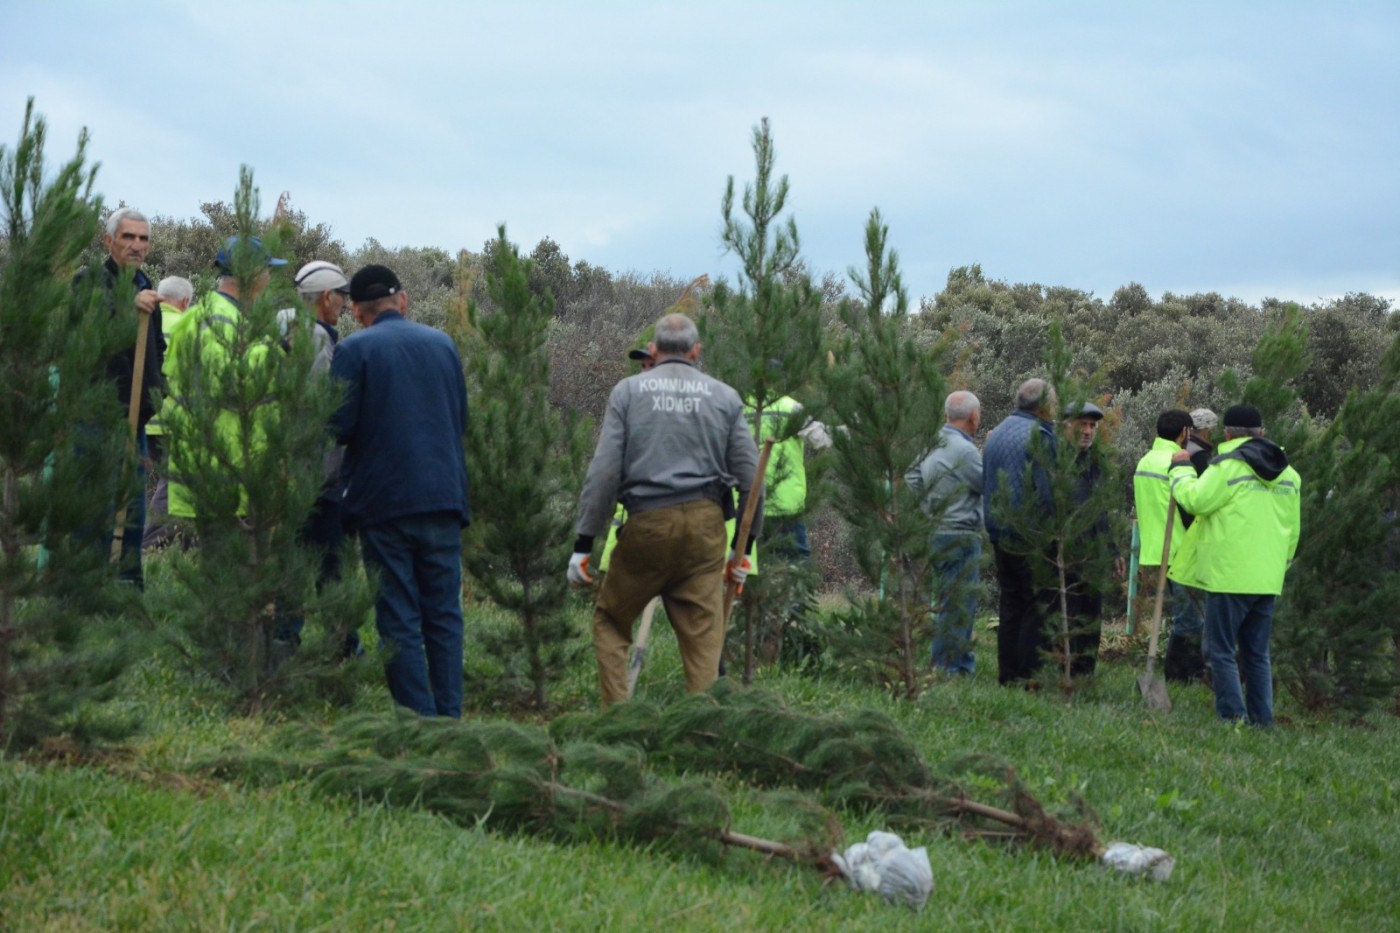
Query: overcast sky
x=1247 y=148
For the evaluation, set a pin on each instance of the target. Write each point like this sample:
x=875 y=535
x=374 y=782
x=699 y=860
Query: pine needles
x=595 y=776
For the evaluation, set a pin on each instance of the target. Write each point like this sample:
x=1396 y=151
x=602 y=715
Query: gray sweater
x=671 y=435
x=950 y=478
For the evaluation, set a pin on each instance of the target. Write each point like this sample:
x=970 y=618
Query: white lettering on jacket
x=663 y=384
x=688 y=406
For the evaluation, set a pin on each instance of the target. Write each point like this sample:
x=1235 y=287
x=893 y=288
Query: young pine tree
x=247 y=426
x=764 y=339
x=1336 y=622
x=529 y=457
x=886 y=392
x=62 y=448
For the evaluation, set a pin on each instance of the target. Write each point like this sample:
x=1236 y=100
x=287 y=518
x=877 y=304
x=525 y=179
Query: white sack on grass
x=883 y=863
x=1154 y=864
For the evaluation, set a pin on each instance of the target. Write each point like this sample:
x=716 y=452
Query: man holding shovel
x=674 y=445
x=1151 y=493
x=135 y=369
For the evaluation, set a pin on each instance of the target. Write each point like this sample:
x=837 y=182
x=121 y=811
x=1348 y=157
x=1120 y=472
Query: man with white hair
x=950 y=479
x=175 y=293
x=128 y=289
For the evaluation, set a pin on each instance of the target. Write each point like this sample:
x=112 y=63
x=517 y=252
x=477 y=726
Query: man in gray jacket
x=950 y=479
x=673 y=448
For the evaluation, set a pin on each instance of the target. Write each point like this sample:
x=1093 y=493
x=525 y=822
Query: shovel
x=1150 y=684
x=133 y=418
x=639 y=645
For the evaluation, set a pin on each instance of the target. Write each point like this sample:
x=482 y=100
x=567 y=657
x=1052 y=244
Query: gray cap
x=1085 y=410
x=1204 y=419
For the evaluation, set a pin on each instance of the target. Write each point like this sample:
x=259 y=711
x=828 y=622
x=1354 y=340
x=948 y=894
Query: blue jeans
x=1234 y=618
x=1187 y=609
x=957 y=575
x=419 y=609
x=787 y=538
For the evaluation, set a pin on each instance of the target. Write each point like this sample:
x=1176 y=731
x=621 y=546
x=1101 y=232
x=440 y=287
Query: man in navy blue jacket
x=402 y=422
x=1019 y=450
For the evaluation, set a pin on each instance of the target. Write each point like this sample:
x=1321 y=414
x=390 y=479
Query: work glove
x=737 y=569
x=578 y=570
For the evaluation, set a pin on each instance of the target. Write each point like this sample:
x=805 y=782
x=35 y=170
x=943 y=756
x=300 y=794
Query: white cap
x=321 y=276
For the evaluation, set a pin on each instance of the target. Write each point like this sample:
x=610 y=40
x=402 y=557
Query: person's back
x=950 y=479
x=1251 y=527
x=680 y=435
x=1004 y=461
x=406 y=406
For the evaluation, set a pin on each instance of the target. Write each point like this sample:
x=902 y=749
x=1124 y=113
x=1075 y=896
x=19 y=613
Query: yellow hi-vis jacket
x=1249 y=503
x=1151 y=492
x=207 y=329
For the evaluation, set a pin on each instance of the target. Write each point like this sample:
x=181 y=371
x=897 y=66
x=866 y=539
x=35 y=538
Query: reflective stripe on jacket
x=1250 y=524
x=1151 y=492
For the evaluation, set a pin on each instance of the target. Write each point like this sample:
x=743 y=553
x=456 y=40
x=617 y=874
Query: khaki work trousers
x=676 y=553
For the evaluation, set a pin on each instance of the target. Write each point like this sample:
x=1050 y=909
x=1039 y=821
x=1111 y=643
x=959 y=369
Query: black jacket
x=121 y=364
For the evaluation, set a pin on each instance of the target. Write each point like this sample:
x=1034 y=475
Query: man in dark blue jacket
x=1020 y=450
x=402 y=423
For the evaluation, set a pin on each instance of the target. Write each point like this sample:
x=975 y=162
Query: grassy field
x=1290 y=829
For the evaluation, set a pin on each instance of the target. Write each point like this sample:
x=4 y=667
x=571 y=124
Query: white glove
x=578 y=571
x=737 y=569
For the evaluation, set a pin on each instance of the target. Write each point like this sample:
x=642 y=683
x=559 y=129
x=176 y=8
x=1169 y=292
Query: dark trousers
x=1244 y=622
x=1021 y=631
x=1085 y=625
x=324 y=533
x=787 y=538
x=418 y=562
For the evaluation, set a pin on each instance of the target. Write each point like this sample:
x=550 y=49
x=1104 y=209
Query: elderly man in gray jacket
x=950 y=479
x=673 y=448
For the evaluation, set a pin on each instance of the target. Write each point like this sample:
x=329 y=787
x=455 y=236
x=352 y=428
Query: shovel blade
x=1154 y=693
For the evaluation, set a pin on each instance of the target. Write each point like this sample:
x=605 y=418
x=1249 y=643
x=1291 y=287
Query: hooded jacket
x=1248 y=505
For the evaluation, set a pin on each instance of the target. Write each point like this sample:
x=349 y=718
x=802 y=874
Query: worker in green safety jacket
x=1151 y=495
x=1247 y=503
x=206 y=329
x=785 y=483
x=175 y=293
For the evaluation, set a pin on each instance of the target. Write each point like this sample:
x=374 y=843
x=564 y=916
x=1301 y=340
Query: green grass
x=1290 y=829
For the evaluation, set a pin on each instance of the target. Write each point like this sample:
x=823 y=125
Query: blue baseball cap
x=223 y=260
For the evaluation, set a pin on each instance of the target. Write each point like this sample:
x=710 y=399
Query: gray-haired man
x=950 y=479
x=673 y=447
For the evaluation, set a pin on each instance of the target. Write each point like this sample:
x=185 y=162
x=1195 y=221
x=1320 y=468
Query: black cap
x=1243 y=416
x=640 y=353
x=373 y=282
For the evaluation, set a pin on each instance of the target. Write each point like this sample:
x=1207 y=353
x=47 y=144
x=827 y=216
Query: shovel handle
x=1161 y=584
x=741 y=536
x=133 y=419
x=639 y=645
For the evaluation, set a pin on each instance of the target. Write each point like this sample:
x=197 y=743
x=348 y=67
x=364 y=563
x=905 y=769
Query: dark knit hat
x=1243 y=416
x=373 y=282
